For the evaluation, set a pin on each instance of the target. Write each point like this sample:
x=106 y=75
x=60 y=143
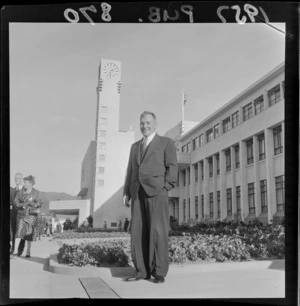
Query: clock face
x=111 y=70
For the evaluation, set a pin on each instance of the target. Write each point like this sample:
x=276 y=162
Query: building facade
x=232 y=163
x=104 y=165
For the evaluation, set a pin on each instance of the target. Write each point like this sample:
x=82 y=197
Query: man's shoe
x=136 y=278
x=159 y=279
x=133 y=278
x=28 y=256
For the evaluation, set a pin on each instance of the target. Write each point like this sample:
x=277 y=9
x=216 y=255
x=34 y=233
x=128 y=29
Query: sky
x=53 y=79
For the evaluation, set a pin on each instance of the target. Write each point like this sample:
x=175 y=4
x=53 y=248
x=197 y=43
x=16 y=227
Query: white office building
x=232 y=163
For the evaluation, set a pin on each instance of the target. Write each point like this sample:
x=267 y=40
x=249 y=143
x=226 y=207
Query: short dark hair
x=143 y=114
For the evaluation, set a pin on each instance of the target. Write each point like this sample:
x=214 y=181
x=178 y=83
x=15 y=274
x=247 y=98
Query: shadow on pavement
x=277 y=265
x=43 y=261
x=122 y=272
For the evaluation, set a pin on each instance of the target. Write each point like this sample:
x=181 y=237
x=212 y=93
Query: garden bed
x=90 y=234
x=226 y=242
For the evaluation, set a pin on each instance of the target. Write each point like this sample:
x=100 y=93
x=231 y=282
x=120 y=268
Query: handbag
x=34 y=211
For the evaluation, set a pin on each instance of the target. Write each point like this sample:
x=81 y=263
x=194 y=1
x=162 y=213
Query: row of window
x=280 y=200
x=102 y=145
x=233 y=120
x=278 y=149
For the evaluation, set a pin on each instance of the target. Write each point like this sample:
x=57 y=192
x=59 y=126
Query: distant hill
x=53 y=196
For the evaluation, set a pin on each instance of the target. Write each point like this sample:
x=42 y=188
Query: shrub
x=95 y=254
x=207 y=248
x=261 y=240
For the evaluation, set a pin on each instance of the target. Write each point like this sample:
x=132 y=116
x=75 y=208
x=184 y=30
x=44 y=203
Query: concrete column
x=266 y=99
x=200 y=191
x=283 y=138
x=244 y=184
x=223 y=186
x=257 y=197
x=192 y=192
x=281 y=92
x=233 y=183
x=221 y=127
x=271 y=193
x=215 y=187
x=206 y=193
x=241 y=118
x=187 y=192
x=181 y=196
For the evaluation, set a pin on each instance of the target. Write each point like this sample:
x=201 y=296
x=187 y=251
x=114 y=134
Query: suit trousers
x=149 y=234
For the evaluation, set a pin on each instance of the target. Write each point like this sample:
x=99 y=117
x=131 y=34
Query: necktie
x=143 y=149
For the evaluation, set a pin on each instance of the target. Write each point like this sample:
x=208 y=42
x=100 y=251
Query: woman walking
x=28 y=203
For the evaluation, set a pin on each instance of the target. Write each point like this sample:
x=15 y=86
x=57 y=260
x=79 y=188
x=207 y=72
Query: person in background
x=58 y=227
x=105 y=225
x=85 y=223
x=50 y=228
x=67 y=225
x=90 y=220
x=126 y=223
x=13 y=210
x=28 y=202
x=46 y=228
x=40 y=227
x=120 y=225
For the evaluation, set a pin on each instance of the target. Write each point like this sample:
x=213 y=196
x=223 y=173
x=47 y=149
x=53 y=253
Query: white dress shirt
x=149 y=138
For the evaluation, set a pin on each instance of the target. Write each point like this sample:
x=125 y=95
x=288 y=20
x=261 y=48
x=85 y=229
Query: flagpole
x=182 y=110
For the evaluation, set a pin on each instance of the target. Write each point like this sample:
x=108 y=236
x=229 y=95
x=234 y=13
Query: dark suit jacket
x=157 y=169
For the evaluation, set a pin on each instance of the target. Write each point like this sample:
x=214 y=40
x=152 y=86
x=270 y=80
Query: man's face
x=147 y=125
x=18 y=179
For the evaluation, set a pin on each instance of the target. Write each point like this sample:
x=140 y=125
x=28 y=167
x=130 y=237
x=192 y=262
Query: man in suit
x=13 y=209
x=152 y=171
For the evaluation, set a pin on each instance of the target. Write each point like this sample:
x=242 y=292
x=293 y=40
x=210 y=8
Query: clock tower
x=108 y=97
x=112 y=148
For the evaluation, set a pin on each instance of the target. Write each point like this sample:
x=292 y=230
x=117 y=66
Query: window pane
x=201 y=140
x=102 y=145
x=274 y=95
x=216 y=130
x=235 y=119
x=247 y=111
x=100 y=169
x=102 y=121
x=228 y=160
x=226 y=125
x=209 y=135
x=102 y=133
x=259 y=104
x=100 y=182
x=103 y=109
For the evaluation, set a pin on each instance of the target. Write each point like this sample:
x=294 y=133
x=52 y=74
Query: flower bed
x=204 y=242
x=262 y=240
x=100 y=254
x=95 y=229
x=79 y=235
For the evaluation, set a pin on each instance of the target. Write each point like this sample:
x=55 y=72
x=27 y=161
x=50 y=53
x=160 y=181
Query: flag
x=184 y=97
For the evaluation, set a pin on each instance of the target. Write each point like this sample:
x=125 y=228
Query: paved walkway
x=30 y=278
